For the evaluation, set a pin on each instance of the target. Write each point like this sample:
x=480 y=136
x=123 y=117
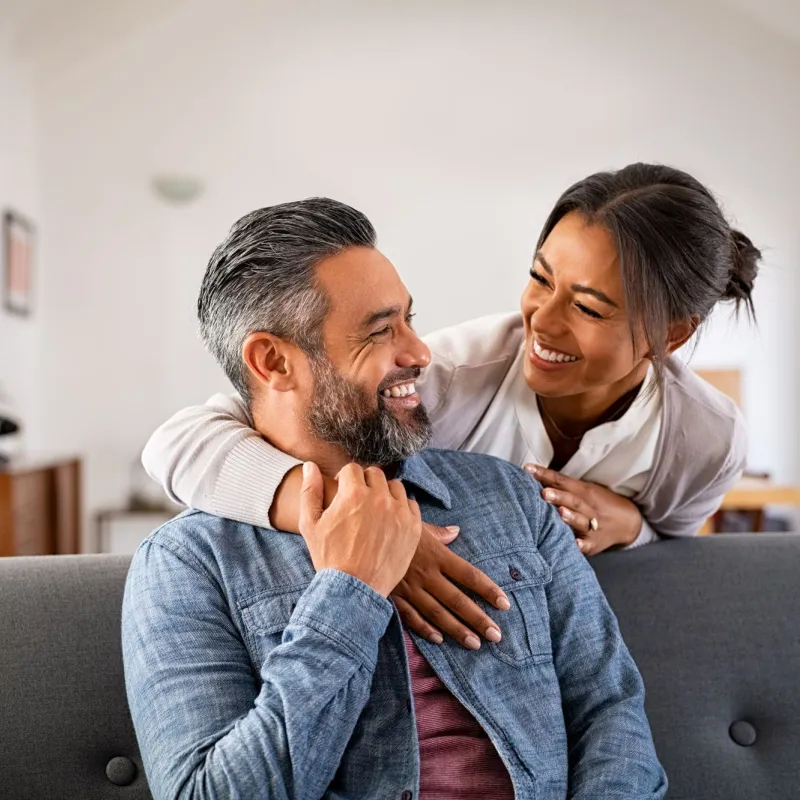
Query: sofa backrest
x=712 y=623
x=65 y=729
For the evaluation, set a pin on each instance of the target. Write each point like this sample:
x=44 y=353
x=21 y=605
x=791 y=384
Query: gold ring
x=594 y=524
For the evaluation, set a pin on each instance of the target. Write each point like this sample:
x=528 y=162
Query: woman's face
x=577 y=332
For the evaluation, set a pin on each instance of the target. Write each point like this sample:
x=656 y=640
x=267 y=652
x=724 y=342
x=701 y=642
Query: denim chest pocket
x=265 y=617
x=523 y=575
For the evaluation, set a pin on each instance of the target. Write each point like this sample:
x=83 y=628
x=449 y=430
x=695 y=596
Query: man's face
x=363 y=398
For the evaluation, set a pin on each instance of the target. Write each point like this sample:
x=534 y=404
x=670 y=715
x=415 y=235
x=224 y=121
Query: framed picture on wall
x=18 y=249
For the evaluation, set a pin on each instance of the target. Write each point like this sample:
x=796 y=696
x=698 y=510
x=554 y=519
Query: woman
x=581 y=388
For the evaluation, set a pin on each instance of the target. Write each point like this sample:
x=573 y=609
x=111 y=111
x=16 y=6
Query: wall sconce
x=180 y=190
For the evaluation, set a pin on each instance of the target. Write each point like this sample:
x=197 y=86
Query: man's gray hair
x=263 y=278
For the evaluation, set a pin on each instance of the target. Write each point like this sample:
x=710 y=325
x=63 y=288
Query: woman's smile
x=547 y=358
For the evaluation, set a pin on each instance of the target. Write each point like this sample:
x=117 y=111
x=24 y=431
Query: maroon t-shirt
x=457 y=759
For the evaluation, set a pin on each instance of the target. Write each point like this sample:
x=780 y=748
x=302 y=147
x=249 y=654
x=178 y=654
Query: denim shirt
x=249 y=675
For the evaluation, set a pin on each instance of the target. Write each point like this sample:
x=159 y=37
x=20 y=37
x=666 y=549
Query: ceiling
x=780 y=16
x=57 y=32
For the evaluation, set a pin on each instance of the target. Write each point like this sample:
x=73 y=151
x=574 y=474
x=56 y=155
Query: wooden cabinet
x=40 y=508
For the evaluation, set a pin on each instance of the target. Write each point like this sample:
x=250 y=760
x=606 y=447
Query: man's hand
x=370 y=531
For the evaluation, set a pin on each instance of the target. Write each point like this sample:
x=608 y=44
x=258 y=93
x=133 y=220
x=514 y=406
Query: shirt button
x=407 y=795
x=514 y=573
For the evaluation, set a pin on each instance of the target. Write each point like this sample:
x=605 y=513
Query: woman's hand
x=427 y=595
x=618 y=520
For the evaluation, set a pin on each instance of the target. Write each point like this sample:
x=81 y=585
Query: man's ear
x=679 y=333
x=271 y=361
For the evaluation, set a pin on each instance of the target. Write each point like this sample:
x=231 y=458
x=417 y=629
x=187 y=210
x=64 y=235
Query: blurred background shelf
x=40 y=507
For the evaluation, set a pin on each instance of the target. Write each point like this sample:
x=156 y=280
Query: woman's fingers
x=465 y=608
x=585 y=537
x=588 y=543
x=413 y=620
x=580 y=523
x=566 y=499
x=443 y=617
x=549 y=477
x=577 y=514
x=445 y=535
x=429 y=588
x=617 y=520
x=469 y=576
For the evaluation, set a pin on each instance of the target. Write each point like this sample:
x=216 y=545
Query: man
x=261 y=664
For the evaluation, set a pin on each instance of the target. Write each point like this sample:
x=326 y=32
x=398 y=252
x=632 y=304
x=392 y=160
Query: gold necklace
x=616 y=414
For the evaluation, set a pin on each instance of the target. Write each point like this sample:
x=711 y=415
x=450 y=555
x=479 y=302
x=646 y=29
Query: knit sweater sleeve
x=210 y=458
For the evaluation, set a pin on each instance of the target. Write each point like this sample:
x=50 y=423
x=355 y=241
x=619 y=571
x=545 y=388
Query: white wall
x=454 y=125
x=19 y=336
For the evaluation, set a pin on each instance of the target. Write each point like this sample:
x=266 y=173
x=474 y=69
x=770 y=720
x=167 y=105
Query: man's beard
x=343 y=413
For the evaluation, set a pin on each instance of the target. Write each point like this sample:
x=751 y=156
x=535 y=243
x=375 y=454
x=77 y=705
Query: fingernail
x=435 y=638
x=453 y=528
x=306 y=469
x=493 y=634
x=565 y=513
x=549 y=494
x=532 y=468
x=581 y=545
x=502 y=603
x=472 y=642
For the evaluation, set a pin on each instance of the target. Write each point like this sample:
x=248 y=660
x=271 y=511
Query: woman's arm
x=704 y=453
x=209 y=457
x=683 y=503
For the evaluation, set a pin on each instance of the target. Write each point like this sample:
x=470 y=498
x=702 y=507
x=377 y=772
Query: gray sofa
x=713 y=623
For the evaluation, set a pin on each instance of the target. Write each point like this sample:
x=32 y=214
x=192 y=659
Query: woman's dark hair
x=678 y=255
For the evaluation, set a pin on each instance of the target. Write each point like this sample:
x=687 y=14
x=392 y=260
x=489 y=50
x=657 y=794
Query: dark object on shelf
x=7 y=426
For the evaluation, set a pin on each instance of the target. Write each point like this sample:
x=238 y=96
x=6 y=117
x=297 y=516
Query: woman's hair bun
x=744 y=269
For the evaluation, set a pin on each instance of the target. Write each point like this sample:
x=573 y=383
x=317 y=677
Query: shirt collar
x=603 y=438
x=415 y=471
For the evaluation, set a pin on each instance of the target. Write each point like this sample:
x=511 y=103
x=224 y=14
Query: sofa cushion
x=65 y=731
x=714 y=625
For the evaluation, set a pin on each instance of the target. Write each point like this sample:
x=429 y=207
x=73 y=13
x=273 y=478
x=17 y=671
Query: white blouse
x=617 y=454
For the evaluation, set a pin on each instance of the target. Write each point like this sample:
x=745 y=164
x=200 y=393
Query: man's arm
x=611 y=750
x=205 y=727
